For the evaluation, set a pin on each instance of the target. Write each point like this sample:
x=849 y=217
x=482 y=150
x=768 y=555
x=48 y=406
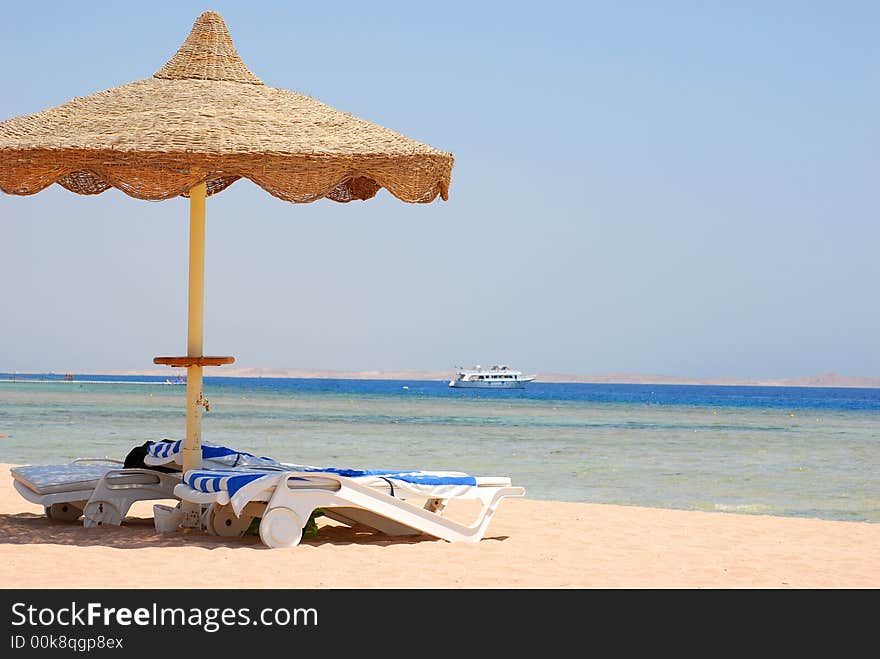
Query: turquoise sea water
x=801 y=452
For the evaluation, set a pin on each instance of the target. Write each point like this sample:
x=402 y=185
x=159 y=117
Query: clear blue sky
x=684 y=188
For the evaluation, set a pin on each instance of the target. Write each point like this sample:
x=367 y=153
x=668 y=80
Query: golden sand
x=529 y=544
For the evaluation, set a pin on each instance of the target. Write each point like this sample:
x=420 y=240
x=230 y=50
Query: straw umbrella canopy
x=199 y=124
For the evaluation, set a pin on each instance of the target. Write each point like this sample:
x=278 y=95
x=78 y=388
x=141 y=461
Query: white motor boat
x=494 y=377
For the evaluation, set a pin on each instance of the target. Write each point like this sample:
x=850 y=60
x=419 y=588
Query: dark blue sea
x=789 y=451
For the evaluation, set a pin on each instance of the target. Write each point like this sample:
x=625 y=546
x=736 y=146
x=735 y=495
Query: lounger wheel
x=101 y=513
x=223 y=521
x=64 y=512
x=281 y=527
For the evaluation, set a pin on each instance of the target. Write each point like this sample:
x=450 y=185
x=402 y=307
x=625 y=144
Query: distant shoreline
x=819 y=380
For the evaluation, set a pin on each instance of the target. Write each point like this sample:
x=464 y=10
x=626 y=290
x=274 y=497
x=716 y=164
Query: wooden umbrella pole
x=195 y=359
x=192 y=448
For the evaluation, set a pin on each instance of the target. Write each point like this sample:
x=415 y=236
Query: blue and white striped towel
x=163 y=453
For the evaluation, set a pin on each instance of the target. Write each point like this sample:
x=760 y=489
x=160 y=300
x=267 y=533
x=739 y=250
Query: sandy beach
x=530 y=544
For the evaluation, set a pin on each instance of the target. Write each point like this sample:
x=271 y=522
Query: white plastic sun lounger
x=99 y=490
x=102 y=490
x=284 y=501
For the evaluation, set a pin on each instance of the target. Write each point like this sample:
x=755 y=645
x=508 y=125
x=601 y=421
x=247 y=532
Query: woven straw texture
x=205 y=117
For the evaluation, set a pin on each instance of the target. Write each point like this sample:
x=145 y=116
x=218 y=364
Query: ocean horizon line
x=826 y=380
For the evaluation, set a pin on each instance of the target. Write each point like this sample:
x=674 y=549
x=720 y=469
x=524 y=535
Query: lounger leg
x=119 y=489
x=102 y=513
x=65 y=512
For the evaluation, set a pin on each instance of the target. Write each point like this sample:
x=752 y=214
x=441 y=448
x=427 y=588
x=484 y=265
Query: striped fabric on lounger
x=242 y=486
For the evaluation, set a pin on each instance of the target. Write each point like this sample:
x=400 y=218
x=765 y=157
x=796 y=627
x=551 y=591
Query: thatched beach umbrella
x=199 y=124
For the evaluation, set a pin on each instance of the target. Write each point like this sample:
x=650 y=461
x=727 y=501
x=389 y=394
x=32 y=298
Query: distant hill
x=820 y=380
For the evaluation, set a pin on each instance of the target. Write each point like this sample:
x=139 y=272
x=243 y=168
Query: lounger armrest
x=117 y=479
